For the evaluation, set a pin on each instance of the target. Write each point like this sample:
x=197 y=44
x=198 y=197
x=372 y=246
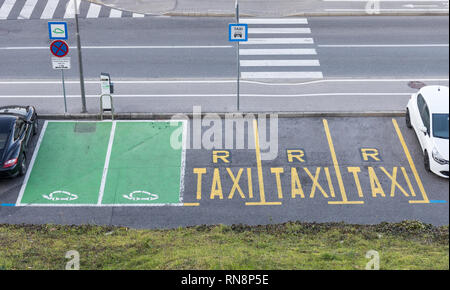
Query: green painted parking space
x=106 y=164
x=143 y=168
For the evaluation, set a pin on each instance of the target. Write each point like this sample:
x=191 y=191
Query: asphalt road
x=172 y=47
x=169 y=64
x=377 y=198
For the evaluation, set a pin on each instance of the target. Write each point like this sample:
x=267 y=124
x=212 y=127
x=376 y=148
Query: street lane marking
x=280 y=30
x=337 y=169
x=115 y=13
x=411 y=164
x=70 y=9
x=274 y=20
x=283 y=62
x=120 y=47
x=278 y=41
x=383 y=45
x=94 y=11
x=279 y=51
x=138 y=15
x=49 y=9
x=260 y=171
x=283 y=75
x=217 y=81
x=6 y=8
x=27 y=9
x=107 y=159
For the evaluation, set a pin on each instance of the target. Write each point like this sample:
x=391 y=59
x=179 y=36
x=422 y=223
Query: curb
x=168 y=116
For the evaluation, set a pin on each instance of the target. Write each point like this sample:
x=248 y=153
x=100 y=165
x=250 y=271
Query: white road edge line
x=44 y=82
x=107 y=159
x=30 y=168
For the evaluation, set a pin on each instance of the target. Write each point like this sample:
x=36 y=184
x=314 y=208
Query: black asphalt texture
x=302 y=183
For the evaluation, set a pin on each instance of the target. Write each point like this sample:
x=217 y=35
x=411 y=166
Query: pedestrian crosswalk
x=57 y=9
x=278 y=48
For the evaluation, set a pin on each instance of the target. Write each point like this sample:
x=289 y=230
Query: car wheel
x=426 y=161
x=23 y=165
x=408 y=119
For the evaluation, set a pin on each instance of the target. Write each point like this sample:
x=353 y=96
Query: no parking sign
x=59 y=48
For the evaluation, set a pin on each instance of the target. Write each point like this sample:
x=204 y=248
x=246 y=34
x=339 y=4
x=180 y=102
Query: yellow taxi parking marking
x=370 y=154
x=260 y=171
x=411 y=164
x=227 y=183
x=336 y=168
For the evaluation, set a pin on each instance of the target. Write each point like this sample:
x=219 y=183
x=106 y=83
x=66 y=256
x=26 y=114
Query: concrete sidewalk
x=277 y=8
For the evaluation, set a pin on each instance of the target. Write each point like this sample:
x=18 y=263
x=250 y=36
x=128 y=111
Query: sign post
x=60 y=49
x=237 y=33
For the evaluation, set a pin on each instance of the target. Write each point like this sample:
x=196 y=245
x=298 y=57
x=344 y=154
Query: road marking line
x=6 y=8
x=70 y=9
x=301 y=40
x=107 y=159
x=280 y=51
x=30 y=167
x=27 y=9
x=138 y=15
x=115 y=13
x=337 y=169
x=280 y=30
x=49 y=9
x=191 y=204
x=120 y=47
x=284 y=62
x=183 y=158
x=282 y=75
x=94 y=11
x=382 y=45
x=260 y=172
x=411 y=164
x=273 y=20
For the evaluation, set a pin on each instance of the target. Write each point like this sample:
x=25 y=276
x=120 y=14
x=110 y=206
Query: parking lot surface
x=353 y=169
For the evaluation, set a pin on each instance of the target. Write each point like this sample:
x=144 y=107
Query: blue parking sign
x=238 y=32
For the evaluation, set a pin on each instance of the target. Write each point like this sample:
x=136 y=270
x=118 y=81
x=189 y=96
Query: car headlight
x=438 y=158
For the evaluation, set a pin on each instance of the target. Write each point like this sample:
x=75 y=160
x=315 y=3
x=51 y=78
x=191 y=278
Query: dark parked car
x=17 y=125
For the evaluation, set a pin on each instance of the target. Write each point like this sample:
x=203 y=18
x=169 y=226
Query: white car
x=427 y=114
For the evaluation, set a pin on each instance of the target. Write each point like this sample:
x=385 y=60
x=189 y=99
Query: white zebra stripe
x=94 y=11
x=6 y=8
x=115 y=13
x=27 y=9
x=49 y=9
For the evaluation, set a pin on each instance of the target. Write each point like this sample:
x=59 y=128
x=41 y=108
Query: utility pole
x=238 y=57
x=80 y=61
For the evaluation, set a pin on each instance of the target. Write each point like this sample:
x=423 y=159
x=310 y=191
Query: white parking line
x=106 y=166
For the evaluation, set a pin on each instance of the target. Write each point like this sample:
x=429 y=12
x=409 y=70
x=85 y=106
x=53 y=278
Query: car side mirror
x=424 y=130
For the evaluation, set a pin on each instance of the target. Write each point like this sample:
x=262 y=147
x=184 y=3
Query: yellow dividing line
x=411 y=164
x=260 y=172
x=337 y=169
x=191 y=204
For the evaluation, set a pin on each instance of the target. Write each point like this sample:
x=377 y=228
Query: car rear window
x=4 y=134
x=440 y=126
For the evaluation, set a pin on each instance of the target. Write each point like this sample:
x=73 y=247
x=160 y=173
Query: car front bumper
x=438 y=169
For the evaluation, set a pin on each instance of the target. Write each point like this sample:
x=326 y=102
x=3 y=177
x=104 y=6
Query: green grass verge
x=405 y=245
